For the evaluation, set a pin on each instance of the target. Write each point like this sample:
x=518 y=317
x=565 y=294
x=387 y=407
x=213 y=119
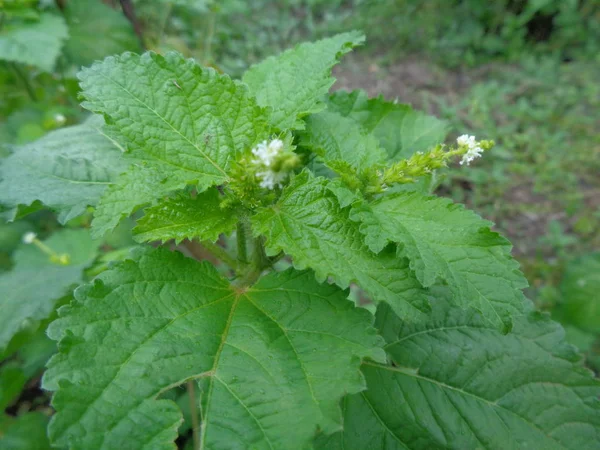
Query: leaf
x=183 y=217
x=26 y=432
x=295 y=82
x=308 y=224
x=272 y=361
x=580 y=305
x=457 y=384
x=34 y=43
x=30 y=290
x=183 y=125
x=88 y=20
x=443 y=240
x=401 y=130
x=67 y=170
x=12 y=381
x=335 y=137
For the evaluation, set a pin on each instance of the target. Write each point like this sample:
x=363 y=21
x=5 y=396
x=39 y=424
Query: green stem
x=25 y=81
x=242 y=245
x=194 y=414
x=220 y=253
x=209 y=38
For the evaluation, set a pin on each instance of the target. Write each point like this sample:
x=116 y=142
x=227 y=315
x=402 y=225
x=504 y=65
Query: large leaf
x=294 y=83
x=272 y=360
x=335 y=137
x=443 y=240
x=34 y=43
x=30 y=290
x=90 y=19
x=67 y=169
x=187 y=125
x=185 y=217
x=26 y=432
x=308 y=224
x=457 y=384
x=401 y=130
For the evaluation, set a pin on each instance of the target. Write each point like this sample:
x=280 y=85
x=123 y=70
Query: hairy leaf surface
x=457 y=384
x=308 y=224
x=67 y=170
x=272 y=361
x=295 y=82
x=35 y=43
x=443 y=240
x=183 y=217
x=335 y=137
x=184 y=125
x=29 y=291
x=400 y=129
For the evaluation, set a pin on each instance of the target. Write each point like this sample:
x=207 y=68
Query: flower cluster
x=269 y=158
x=474 y=149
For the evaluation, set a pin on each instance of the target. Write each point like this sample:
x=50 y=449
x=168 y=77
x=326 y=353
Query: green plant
x=295 y=195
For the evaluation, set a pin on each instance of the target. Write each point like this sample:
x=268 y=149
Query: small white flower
x=60 y=119
x=270 y=179
x=473 y=148
x=29 y=237
x=266 y=153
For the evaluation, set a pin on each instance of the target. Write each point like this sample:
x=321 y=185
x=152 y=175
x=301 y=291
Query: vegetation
x=259 y=260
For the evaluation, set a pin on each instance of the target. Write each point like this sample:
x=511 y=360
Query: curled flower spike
x=474 y=150
x=29 y=237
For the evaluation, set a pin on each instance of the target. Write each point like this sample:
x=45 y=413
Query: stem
x=242 y=248
x=194 y=414
x=129 y=11
x=25 y=81
x=220 y=253
x=209 y=37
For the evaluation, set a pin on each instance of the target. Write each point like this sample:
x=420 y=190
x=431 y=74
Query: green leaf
x=89 y=20
x=183 y=124
x=308 y=224
x=183 y=217
x=31 y=289
x=458 y=384
x=34 y=43
x=335 y=137
x=67 y=170
x=12 y=381
x=580 y=305
x=295 y=82
x=26 y=432
x=444 y=241
x=401 y=130
x=272 y=361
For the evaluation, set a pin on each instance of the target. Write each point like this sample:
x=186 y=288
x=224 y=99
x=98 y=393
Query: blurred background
x=525 y=73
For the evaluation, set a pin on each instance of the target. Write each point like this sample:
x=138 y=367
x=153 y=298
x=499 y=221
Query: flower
x=473 y=148
x=60 y=119
x=267 y=155
x=29 y=237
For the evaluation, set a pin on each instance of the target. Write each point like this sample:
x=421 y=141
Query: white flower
x=29 y=237
x=60 y=119
x=266 y=153
x=473 y=148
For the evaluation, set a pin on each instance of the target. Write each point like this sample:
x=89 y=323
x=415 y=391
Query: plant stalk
x=194 y=413
x=242 y=244
x=220 y=253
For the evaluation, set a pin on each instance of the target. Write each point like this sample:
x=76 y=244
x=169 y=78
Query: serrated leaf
x=272 y=360
x=401 y=130
x=184 y=125
x=294 y=83
x=444 y=240
x=580 y=302
x=184 y=217
x=30 y=290
x=34 y=43
x=67 y=170
x=308 y=224
x=89 y=19
x=335 y=137
x=457 y=384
